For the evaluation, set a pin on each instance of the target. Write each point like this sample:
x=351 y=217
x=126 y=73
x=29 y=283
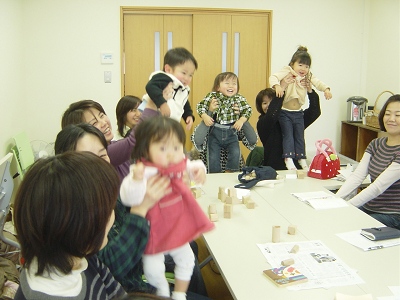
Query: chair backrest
x=23 y=153
x=6 y=190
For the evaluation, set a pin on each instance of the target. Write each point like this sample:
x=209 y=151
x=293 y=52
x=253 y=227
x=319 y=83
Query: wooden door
x=246 y=39
x=146 y=39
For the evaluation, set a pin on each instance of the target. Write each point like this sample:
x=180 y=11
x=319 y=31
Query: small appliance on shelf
x=356 y=107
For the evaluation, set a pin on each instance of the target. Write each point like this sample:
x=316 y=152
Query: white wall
x=53 y=55
x=12 y=80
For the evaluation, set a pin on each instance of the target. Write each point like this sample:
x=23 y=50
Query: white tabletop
x=233 y=242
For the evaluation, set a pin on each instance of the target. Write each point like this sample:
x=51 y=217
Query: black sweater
x=270 y=132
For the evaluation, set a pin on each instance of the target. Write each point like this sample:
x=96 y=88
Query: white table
x=233 y=243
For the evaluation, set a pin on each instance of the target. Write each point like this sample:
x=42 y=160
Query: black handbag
x=251 y=175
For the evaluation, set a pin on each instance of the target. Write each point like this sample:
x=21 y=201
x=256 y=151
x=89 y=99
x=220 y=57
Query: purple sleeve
x=120 y=151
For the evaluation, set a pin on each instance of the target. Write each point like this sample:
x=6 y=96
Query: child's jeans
x=249 y=133
x=200 y=134
x=292 y=125
x=223 y=137
x=202 y=129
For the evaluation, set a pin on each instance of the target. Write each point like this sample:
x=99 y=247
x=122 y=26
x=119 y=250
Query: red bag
x=325 y=163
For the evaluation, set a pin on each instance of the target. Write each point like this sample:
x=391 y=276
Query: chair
x=6 y=189
x=23 y=153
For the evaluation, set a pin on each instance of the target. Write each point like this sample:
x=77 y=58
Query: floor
x=215 y=284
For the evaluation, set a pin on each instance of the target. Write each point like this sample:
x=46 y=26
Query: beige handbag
x=372 y=116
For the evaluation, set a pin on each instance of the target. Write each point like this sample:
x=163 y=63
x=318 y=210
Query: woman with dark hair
x=127 y=114
x=61 y=198
x=381 y=160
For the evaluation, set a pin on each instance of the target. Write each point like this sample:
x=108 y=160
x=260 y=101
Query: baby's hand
x=189 y=122
x=238 y=125
x=213 y=105
x=278 y=90
x=207 y=120
x=328 y=94
x=165 y=110
x=236 y=109
x=198 y=175
x=138 y=171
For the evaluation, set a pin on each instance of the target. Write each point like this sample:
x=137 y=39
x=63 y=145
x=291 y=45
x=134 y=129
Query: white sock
x=303 y=163
x=290 y=164
x=178 y=295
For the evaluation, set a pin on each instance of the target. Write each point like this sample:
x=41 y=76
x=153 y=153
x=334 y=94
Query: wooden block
x=196 y=192
x=222 y=194
x=228 y=200
x=291 y=176
x=287 y=262
x=233 y=196
x=292 y=229
x=232 y=192
x=295 y=249
x=213 y=217
x=227 y=215
x=212 y=208
x=250 y=204
x=301 y=174
x=245 y=199
x=276 y=234
x=228 y=208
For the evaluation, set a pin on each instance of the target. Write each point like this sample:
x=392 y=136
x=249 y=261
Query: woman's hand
x=306 y=83
x=238 y=124
x=207 y=120
x=168 y=91
x=189 y=122
x=157 y=187
x=288 y=79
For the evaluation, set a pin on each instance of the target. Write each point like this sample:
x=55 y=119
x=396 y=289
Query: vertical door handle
x=236 y=54
x=224 y=51
x=157 y=51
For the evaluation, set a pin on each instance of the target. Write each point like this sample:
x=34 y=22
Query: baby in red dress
x=177 y=218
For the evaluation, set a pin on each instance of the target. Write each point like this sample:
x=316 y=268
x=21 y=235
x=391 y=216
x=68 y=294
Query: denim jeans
x=249 y=133
x=223 y=138
x=390 y=220
x=292 y=125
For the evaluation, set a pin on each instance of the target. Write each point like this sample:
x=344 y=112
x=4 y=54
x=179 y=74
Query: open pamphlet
x=320 y=200
x=314 y=266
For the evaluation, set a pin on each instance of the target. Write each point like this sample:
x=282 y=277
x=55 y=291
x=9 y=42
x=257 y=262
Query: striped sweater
x=382 y=156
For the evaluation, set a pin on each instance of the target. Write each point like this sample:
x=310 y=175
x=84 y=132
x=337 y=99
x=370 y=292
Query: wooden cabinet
x=355 y=139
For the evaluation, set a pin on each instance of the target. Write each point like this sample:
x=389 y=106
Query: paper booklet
x=285 y=276
x=320 y=200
